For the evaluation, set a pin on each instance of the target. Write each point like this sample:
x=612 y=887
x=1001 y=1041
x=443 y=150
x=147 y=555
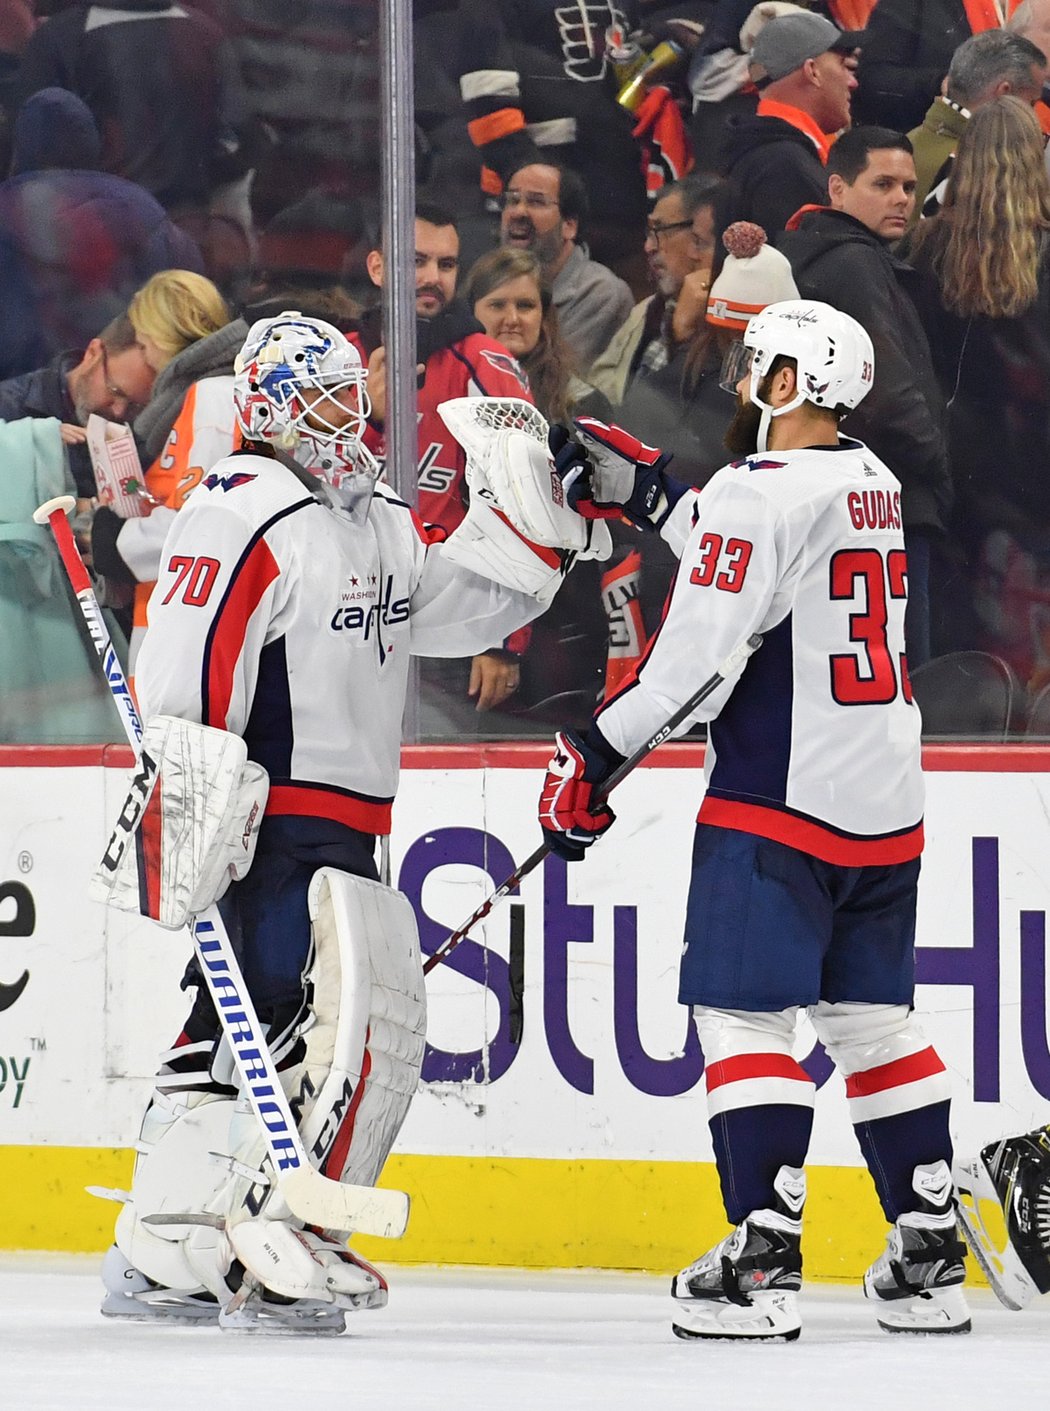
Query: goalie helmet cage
x=313 y=1197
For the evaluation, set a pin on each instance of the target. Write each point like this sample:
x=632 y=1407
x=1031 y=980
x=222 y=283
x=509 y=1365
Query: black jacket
x=161 y=83
x=908 y=45
x=838 y=260
x=44 y=393
x=772 y=171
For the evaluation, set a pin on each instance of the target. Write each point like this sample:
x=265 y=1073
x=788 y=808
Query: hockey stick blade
x=331 y=1205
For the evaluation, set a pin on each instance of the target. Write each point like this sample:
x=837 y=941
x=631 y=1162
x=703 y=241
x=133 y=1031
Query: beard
x=741 y=438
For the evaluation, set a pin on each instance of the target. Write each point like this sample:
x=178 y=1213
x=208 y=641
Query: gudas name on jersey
x=874 y=509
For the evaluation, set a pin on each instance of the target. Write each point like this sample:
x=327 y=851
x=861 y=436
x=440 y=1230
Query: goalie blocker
x=203 y=1204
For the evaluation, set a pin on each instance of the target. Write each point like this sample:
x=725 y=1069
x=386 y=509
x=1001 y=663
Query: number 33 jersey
x=817 y=742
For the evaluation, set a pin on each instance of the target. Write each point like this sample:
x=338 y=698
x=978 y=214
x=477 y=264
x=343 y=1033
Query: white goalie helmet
x=299 y=385
x=833 y=354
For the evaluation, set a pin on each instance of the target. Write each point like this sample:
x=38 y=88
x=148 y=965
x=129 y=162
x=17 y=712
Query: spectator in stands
x=161 y=84
x=539 y=89
x=75 y=243
x=983 y=276
x=110 y=378
x=190 y=340
x=841 y=254
x=505 y=290
x=680 y=248
x=1031 y=20
x=908 y=49
x=506 y=293
x=544 y=210
x=805 y=71
x=458 y=360
x=982 y=69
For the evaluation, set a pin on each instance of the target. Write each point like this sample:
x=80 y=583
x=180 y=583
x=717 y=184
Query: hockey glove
x=607 y=473
x=575 y=770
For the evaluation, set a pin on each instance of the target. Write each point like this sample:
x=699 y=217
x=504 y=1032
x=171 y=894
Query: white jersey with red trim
x=816 y=743
x=279 y=619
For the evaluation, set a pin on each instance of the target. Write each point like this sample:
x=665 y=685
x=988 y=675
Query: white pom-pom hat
x=753 y=276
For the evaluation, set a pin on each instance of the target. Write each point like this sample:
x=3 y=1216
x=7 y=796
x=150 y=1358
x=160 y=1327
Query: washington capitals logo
x=228 y=482
x=503 y=362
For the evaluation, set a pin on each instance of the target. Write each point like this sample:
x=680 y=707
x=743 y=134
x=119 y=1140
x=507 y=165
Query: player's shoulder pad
x=249 y=485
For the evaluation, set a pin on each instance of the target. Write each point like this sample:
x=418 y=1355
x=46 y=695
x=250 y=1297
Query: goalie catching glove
x=188 y=827
x=518 y=529
x=571 y=816
x=608 y=473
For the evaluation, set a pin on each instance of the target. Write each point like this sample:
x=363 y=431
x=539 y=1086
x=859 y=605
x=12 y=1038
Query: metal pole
x=398 y=203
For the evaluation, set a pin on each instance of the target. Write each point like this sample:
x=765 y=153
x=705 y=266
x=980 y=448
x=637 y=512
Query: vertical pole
x=398 y=202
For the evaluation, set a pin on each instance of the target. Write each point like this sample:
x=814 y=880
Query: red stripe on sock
x=754 y=1065
x=894 y=1075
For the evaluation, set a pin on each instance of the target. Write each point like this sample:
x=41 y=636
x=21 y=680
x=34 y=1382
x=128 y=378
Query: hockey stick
x=736 y=658
x=315 y=1198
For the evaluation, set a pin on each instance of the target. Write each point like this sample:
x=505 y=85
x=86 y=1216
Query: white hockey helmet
x=284 y=358
x=833 y=354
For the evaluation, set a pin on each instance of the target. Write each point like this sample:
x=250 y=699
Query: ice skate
x=1004 y=1208
x=128 y=1293
x=747 y=1286
x=917 y=1281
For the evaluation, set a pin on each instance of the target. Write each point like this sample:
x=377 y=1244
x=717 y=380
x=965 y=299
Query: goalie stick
x=313 y=1197
x=736 y=658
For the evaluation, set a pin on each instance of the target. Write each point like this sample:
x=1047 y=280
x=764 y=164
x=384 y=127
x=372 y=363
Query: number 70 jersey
x=817 y=743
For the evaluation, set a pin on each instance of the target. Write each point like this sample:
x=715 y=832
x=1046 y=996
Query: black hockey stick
x=735 y=659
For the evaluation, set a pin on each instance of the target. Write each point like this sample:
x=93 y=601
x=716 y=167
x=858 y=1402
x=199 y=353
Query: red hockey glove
x=575 y=770
x=608 y=472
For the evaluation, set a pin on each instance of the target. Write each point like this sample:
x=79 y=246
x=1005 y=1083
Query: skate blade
x=941 y=1315
x=256 y=1319
x=130 y=1310
x=769 y=1317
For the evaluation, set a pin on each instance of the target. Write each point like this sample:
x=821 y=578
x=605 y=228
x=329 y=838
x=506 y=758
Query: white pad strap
x=188 y=826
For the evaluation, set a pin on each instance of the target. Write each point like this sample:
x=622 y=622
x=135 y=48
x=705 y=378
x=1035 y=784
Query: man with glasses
x=543 y=209
x=679 y=249
x=110 y=378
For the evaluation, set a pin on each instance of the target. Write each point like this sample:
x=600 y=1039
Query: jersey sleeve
x=457 y=613
x=218 y=594
x=729 y=584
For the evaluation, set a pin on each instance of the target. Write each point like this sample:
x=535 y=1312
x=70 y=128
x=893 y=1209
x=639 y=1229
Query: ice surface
x=458 y=1339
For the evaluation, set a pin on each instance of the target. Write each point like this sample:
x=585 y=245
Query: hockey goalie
x=295 y=586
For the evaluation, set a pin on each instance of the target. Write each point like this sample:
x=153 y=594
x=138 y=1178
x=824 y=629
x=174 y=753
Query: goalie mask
x=833 y=354
x=299 y=385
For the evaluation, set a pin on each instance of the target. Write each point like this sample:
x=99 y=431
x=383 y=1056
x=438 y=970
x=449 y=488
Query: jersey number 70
x=869 y=676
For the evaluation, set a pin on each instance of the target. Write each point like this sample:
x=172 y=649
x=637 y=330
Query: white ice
x=462 y=1340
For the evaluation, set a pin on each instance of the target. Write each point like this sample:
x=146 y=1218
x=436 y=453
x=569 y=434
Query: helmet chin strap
x=769 y=411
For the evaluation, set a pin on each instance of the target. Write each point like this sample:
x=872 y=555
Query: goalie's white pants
x=364 y=1042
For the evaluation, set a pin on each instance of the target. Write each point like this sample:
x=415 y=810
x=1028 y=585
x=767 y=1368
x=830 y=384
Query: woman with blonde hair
x=190 y=339
x=983 y=293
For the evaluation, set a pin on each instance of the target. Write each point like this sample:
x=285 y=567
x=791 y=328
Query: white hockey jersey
x=817 y=742
x=279 y=619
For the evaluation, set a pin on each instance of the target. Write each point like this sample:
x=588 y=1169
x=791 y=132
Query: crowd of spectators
x=606 y=193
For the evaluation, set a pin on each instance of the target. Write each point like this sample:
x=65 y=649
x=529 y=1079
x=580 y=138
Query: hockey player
x=293 y=590
x=806 y=854
x=1004 y=1207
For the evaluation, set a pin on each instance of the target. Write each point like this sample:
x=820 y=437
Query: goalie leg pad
x=351 y=1092
x=188 y=826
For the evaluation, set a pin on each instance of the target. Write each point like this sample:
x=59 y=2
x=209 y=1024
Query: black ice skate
x=747 y=1286
x=1004 y=1208
x=917 y=1281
